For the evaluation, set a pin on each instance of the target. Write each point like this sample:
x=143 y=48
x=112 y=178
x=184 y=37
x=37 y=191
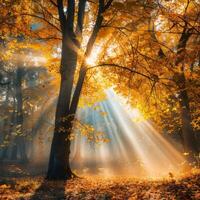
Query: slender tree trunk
x=5 y=130
x=20 y=140
x=14 y=151
x=8 y=128
x=190 y=145
x=11 y=129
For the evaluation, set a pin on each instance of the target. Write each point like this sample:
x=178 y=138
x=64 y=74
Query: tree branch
x=81 y=15
x=42 y=18
x=70 y=15
x=108 y=4
x=53 y=3
x=61 y=14
x=121 y=67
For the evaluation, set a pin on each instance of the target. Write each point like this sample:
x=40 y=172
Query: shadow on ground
x=50 y=190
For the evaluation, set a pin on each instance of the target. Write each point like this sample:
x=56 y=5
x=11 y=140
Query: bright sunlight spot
x=135 y=113
x=92 y=59
x=38 y=61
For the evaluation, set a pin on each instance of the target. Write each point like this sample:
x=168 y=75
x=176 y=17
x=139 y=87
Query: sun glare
x=135 y=148
x=92 y=59
x=135 y=114
x=38 y=61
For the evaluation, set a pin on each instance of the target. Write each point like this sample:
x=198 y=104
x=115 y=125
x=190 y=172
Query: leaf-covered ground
x=91 y=188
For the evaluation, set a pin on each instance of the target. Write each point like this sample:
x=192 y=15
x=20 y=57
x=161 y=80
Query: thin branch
x=81 y=15
x=108 y=4
x=121 y=67
x=61 y=14
x=42 y=18
x=53 y=3
x=70 y=15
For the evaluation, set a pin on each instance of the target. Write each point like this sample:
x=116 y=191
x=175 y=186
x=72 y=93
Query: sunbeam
x=135 y=148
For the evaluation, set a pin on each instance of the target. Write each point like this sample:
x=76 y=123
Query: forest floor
x=18 y=185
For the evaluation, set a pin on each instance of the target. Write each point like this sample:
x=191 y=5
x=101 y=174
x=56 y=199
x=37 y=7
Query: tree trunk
x=59 y=166
x=20 y=140
x=14 y=149
x=187 y=130
x=5 y=128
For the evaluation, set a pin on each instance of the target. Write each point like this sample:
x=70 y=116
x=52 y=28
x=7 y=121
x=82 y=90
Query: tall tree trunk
x=11 y=127
x=20 y=140
x=8 y=128
x=188 y=134
x=187 y=130
x=59 y=167
x=59 y=162
x=5 y=128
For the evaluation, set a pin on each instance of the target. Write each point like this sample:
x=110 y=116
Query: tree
x=59 y=166
x=185 y=22
x=18 y=72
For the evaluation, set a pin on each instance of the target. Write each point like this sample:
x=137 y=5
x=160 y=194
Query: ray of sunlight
x=135 y=148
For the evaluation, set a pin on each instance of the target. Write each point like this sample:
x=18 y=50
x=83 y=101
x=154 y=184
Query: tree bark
x=190 y=145
x=188 y=134
x=59 y=167
x=20 y=140
x=5 y=130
